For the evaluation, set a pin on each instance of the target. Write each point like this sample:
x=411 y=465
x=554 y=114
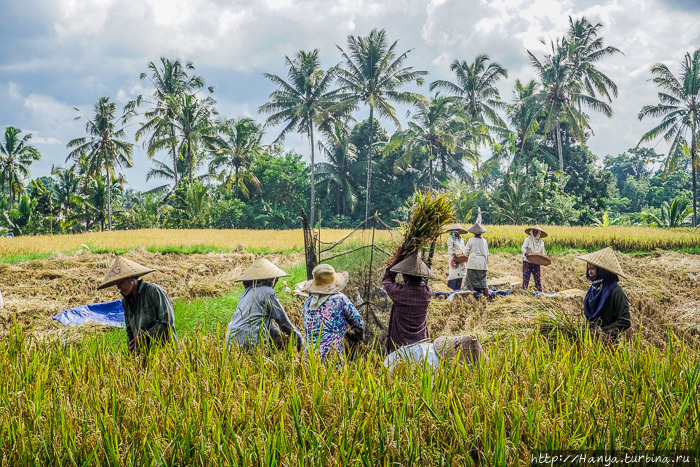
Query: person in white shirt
x=477 y=251
x=455 y=246
x=533 y=244
x=444 y=349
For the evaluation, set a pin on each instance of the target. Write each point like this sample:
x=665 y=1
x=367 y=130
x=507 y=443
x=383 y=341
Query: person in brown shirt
x=407 y=322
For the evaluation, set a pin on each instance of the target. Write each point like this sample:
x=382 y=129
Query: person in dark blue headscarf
x=606 y=306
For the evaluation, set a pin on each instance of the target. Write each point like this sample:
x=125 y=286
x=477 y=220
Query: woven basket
x=461 y=258
x=536 y=258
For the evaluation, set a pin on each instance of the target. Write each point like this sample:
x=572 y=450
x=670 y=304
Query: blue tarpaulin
x=110 y=313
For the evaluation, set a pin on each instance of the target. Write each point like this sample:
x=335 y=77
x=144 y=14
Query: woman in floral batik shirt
x=328 y=314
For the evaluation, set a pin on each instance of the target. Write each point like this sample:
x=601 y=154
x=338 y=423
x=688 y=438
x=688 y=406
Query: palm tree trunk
x=109 y=202
x=561 y=156
x=189 y=160
x=174 y=151
x=430 y=171
x=235 y=190
x=369 y=164
x=313 y=179
x=693 y=161
x=337 y=200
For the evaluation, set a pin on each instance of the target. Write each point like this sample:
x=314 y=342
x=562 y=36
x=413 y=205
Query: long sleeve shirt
x=477 y=249
x=326 y=325
x=455 y=246
x=149 y=314
x=532 y=245
x=259 y=316
x=407 y=322
x=615 y=316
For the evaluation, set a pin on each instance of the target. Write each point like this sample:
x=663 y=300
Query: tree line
x=520 y=160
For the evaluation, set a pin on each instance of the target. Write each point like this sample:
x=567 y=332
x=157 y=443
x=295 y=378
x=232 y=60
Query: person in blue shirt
x=260 y=318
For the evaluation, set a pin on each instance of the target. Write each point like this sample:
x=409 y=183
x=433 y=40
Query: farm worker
x=477 y=251
x=10 y=234
x=328 y=314
x=148 y=311
x=443 y=348
x=606 y=305
x=407 y=321
x=532 y=244
x=455 y=246
x=259 y=315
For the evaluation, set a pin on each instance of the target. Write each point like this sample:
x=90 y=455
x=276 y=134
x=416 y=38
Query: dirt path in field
x=34 y=291
x=664 y=289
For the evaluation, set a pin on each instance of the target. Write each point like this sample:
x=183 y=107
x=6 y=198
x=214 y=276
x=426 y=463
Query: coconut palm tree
x=511 y=200
x=679 y=109
x=476 y=87
x=171 y=80
x=301 y=101
x=570 y=81
x=436 y=132
x=237 y=144
x=68 y=193
x=584 y=49
x=336 y=174
x=102 y=148
x=559 y=99
x=193 y=130
x=372 y=73
x=16 y=155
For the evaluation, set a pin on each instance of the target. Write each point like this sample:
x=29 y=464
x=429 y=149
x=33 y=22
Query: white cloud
x=74 y=52
x=50 y=141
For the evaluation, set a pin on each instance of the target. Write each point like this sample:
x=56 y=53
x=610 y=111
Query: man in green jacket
x=148 y=311
x=606 y=305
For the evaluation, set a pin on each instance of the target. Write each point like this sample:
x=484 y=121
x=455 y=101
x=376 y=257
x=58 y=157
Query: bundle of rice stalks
x=431 y=212
x=550 y=322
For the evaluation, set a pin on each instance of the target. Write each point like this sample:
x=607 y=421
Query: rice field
x=265 y=241
x=628 y=239
x=79 y=397
x=89 y=404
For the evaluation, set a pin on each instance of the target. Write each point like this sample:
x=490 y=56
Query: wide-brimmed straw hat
x=326 y=281
x=121 y=269
x=456 y=228
x=467 y=347
x=261 y=269
x=414 y=266
x=536 y=227
x=604 y=259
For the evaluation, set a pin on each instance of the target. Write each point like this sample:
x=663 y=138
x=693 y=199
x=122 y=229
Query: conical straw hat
x=468 y=347
x=122 y=268
x=326 y=281
x=604 y=259
x=414 y=266
x=261 y=269
x=536 y=227
x=477 y=229
x=457 y=227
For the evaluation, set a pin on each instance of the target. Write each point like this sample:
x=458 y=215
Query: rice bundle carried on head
x=431 y=212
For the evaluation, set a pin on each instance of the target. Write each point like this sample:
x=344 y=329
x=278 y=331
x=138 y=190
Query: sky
x=59 y=55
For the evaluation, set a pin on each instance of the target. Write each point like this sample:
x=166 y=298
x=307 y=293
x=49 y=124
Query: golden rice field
x=227 y=240
x=621 y=238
